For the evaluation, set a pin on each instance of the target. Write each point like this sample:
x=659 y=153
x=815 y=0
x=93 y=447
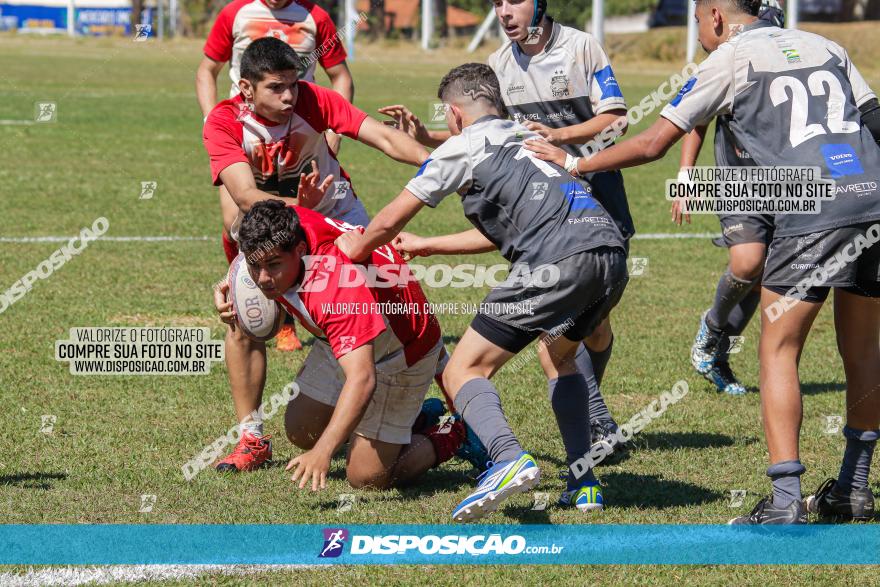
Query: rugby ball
x=258 y=317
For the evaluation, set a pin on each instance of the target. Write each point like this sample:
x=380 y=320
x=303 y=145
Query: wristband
x=571 y=164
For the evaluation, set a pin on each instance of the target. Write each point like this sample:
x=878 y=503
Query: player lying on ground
x=558 y=82
x=310 y=31
x=261 y=143
x=565 y=229
x=369 y=369
x=781 y=80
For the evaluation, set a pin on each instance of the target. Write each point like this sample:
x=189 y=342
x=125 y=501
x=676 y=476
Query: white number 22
x=800 y=131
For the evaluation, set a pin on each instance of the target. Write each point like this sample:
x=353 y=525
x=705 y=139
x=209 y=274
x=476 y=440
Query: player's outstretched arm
x=409 y=123
x=360 y=383
x=578 y=134
x=463 y=243
x=239 y=180
x=206 y=83
x=690 y=150
x=382 y=229
x=645 y=147
x=396 y=144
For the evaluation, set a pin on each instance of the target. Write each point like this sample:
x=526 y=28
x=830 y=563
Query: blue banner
x=438 y=544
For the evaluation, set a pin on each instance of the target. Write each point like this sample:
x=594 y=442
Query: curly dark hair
x=268 y=55
x=476 y=81
x=269 y=224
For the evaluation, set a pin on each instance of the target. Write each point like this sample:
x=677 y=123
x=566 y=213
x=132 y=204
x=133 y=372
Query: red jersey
x=301 y=24
x=278 y=153
x=351 y=315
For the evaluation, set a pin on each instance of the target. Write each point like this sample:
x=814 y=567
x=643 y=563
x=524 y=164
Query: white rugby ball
x=258 y=317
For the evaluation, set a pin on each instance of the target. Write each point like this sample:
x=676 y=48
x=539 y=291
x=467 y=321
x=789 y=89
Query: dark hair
x=268 y=55
x=476 y=81
x=750 y=7
x=269 y=224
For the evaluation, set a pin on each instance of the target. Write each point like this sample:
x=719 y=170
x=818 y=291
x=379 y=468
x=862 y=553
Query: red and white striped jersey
x=349 y=314
x=301 y=24
x=278 y=153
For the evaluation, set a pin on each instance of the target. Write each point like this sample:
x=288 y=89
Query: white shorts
x=400 y=390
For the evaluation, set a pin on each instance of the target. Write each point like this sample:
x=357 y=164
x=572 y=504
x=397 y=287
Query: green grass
x=126 y=114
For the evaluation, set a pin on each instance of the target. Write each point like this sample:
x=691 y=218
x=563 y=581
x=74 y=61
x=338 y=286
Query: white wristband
x=571 y=164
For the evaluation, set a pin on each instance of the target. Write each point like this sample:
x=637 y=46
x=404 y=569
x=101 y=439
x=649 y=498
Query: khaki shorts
x=400 y=390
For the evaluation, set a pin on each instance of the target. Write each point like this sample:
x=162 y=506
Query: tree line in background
x=197 y=15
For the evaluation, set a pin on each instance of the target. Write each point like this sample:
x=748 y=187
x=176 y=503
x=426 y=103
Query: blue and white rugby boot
x=498 y=483
x=704 y=348
x=586 y=497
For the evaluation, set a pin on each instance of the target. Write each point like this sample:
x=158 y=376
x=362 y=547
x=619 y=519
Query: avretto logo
x=334 y=541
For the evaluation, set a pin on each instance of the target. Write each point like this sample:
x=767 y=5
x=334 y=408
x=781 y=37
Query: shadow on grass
x=674 y=440
x=431 y=483
x=631 y=490
x=32 y=480
x=817 y=388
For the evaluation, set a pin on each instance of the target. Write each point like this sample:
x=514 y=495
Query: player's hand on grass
x=551 y=135
x=406 y=121
x=410 y=245
x=311 y=189
x=311 y=466
x=677 y=214
x=224 y=307
x=545 y=151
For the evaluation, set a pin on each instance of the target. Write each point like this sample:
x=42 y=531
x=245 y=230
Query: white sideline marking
x=153 y=239
x=64 y=239
x=72 y=576
x=7 y=122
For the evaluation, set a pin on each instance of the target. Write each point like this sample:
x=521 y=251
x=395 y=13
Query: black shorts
x=806 y=267
x=738 y=229
x=589 y=285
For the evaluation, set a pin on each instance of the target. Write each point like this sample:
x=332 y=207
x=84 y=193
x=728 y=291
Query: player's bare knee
x=375 y=480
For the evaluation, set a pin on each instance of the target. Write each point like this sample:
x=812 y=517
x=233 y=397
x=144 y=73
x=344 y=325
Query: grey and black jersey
x=532 y=210
x=568 y=83
x=791 y=99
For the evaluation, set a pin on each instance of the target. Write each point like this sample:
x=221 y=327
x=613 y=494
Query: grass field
x=126 y=113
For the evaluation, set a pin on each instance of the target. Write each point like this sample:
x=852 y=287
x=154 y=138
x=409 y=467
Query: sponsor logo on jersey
x=731 y=229
x=792 y=55
x=685 y=89
x=518 y=89
x=566 y=114
x=578 y=195
x=334 y=541
x=559 y=84
x=841 y=160
x=861 y=189
x=608 y=83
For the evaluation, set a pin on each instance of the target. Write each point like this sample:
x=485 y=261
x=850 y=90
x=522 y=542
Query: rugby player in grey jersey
x=558 y=82
x=568 y=269
x=794 y=99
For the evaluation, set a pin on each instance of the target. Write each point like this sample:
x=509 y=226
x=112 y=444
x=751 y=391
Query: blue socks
x=786 y=477
x=857 y=458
